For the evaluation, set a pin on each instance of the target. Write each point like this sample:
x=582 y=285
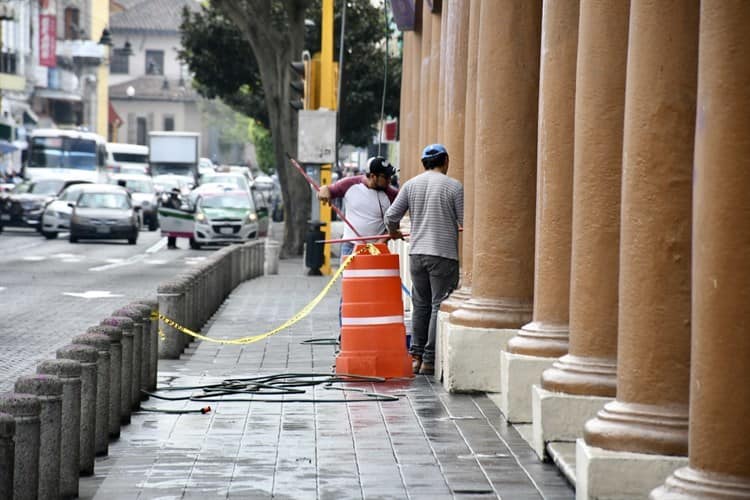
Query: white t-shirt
x=364 y=207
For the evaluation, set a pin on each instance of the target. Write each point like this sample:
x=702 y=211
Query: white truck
x=174 y=153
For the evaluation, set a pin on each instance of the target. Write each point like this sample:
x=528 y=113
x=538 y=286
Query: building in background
x=150 y=88
x=70 y=47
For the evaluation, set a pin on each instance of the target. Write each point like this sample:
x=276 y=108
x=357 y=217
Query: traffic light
x=305 y=83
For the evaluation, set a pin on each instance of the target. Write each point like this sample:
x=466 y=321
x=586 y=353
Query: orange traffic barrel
x=373 y=335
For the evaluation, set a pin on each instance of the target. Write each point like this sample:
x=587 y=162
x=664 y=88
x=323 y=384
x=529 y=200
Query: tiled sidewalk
x=427 y=444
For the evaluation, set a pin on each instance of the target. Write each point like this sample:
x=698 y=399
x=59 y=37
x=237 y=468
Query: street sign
x=316 y=141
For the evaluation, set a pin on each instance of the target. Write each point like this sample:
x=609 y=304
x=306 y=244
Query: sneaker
x=427 y=368
x=416 y=363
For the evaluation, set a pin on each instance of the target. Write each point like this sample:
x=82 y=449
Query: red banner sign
x=47 y=40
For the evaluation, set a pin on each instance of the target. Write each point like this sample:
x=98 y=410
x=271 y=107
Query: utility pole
x=327 y=100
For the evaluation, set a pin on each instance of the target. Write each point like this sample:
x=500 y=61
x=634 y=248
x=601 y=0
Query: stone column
x=412 y=165
x=25 y=410
x=650 y=414
x=7 y=452
x=48 y=389
x=581 y=382
x=536 y=346
x=719 y=461
x=87 y=356
x=137 y=317
x=101 y=344
x=507 y=81
x=69 y=373
x=503 y=269
x=126 y=372
x=547 y=334
x=145 y=312
x=443 y=73
x=455 y=60
x=434 y=78
x=115 y=374
x=153 y=337
x=590 y=367
x=406 y=113
x=425 y=114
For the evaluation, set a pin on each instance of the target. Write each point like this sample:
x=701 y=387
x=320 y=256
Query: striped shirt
x=436 y=208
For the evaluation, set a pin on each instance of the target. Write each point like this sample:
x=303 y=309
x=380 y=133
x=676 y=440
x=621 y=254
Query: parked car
x=223 y=214
x=236 y=179
x=142 y=190
x=126 y=158
x=23 y=206
x=56 y=215
x=103 y=211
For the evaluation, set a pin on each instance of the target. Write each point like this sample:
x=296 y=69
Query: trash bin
x=314 y=250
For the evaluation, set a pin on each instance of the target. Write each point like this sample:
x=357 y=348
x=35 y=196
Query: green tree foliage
x=225 y=67
x=263 y=146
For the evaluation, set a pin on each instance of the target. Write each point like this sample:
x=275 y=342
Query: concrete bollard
x=25 y=410
x=272 y=251
x=69 y=373
x=115 y=374
x=88 y=357
x=145 y=312
x=135 y=387
x=171 y=296
x=126 y=372
x=101 y=432
x=153 y=352
x=48 y=389
x=7 y=452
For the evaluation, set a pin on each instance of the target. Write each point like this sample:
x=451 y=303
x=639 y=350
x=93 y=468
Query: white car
x=238 y=180
x=56 y=215
x=223 y=215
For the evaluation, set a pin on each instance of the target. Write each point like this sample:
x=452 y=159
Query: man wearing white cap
x=436 y=208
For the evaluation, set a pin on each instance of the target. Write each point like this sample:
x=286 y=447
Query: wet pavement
x=389 y=440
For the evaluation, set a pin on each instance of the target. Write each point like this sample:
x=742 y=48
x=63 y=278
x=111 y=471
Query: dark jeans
x=432 y=280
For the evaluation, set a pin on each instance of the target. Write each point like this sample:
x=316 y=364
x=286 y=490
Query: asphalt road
x=53 y=290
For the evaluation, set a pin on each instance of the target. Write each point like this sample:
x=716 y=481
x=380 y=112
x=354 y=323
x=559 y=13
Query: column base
x=517 y=374
x=454 y=301
x=470 y=357
x=604 y=474
x=585 y=376
x=692 y=484
x=639 y=428
x=560 y=417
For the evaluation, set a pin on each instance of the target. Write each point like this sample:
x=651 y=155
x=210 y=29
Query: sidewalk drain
x=473 y=492
x=444 y=419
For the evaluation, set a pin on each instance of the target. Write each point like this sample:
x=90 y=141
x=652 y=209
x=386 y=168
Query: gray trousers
x=432 y=279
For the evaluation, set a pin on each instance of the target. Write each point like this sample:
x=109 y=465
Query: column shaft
x=507 y=84
x=719 y=460
x=406 y=126
x=650 y=414
x=434 y=78
x=456 y=44
x=425 y=114
x=589 y=368
x=547 y=334
x=444 y=76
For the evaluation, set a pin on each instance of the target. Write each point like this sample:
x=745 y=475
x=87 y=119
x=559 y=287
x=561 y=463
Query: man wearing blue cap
x=436 y=208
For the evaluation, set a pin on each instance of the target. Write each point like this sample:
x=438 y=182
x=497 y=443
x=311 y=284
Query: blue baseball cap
x=433 y=151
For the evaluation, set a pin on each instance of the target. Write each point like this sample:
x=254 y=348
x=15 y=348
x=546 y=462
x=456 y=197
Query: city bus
x=65 y=153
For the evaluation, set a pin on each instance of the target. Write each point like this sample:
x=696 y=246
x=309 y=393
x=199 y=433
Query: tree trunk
x=274 y=49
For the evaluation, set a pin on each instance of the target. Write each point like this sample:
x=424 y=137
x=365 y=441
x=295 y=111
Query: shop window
x=168 y=123
x=72 y=24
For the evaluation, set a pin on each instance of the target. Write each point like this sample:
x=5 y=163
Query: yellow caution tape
x=370 y=248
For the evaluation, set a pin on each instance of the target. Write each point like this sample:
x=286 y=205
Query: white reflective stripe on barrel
x=372 y=320
x=369 y=273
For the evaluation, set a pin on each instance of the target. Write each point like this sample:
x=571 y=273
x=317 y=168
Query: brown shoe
x=427 y=369
x=416 y=363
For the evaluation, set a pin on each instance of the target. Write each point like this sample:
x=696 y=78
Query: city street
x=53 y=290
